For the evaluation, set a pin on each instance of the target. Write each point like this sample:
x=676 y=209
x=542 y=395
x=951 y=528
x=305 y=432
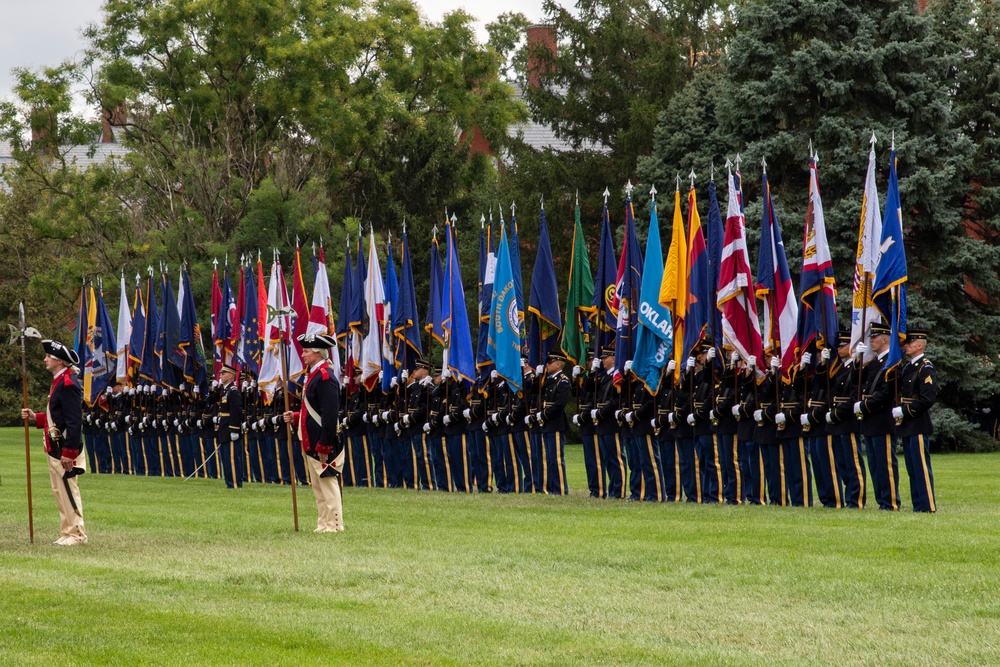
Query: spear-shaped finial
x=607 y=193
x=692 y=177
x=763 y=165
x=348 y=235
x=454 y=218
x=737 y=161
x=215 y=264
x=320 y=242
x=491 y=216
x=893 y=145
x=404 y=226
x=137 y=280
x=541 y=202
x=578 y=196
x=297 y=241
x=513 y=208
x=258 y=254
x=872 y=141
x=711 y=172
x=150 y=270
x=482 y=221
x=500 y=210
x=434 y=231
x=678 y=178
x=810 y=149
x=652 y=193
x=313 y=248
x=628 y=189
x=729 y=165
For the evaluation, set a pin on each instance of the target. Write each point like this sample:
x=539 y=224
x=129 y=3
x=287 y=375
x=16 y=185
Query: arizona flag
x=740 y=327
x=866 y=260
x=774 y=287
x=699 y=294
x=818 y=327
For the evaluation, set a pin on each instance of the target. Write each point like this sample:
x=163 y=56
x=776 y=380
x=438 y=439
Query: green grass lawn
x=188 y=573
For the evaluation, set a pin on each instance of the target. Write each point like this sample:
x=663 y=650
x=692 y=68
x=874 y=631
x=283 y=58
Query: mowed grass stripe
x=186 y=572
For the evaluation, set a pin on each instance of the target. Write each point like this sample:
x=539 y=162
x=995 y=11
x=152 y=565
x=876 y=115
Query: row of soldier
x=723 y=433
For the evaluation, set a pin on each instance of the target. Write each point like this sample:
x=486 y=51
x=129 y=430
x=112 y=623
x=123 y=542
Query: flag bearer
x=918 y=392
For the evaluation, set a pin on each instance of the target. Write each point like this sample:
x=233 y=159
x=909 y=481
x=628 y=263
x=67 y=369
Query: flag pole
x=288 y=425
x=21 y=333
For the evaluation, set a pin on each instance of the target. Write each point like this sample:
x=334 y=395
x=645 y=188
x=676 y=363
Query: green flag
x=579 y=299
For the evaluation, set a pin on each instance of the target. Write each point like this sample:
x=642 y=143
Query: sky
x=40 y=33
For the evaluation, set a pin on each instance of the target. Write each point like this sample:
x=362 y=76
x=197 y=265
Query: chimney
x=541 y=46
x=43 y=126
x=112 y=118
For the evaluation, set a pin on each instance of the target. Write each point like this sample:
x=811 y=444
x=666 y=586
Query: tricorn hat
x=55 y=349
x=316 y=341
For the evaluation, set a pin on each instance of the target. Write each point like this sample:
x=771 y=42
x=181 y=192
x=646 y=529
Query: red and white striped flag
x=740 y=326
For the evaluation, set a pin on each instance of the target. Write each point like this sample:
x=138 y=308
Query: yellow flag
x=674 y=287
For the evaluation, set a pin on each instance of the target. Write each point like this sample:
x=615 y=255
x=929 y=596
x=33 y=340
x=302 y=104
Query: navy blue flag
x=716 y=241
x=389 y=306
x=515 y=265
x=889 y=290
x=818 y=326
x=149 y=370
x=605 y=320
x=434 y=309
x=545 y=320
x=627 y=293
x=358 y=292
x=80 y=336
x=190 y=342
x=169 y=356
x=137 y=343
x=487 y=270
x=251 y=347
x=455 y=316
x=406 y=321
x=504 y=342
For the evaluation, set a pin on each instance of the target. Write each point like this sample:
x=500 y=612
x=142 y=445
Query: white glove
x=758 y=415
x=405 y=374
x=244 y=386
x=689 y=364
x=734 y=358
x=275 y=419
x=779 y=418
x=467 y=414
x=385 y=415
x=711 y=415
x=198 y=424
x=987 y=411
x=652 y=422
x=396 y=428
x=527 y=420
x=671 y=417
x=628 y=365
x=447 y=420
x=406 y=420
x=806 y=360
x=494 y=375
x=538 y=417
x=857 y=407
x=736 y=411
x=128 y=419
x=166 y=391
x=163 y=423
x=593 y=415
x=381 y=374
x=344 y=380
x=804 y=420
x=234 y=436
x=829 y=418
x=427 y=381
x=182 y=386
x=509 y=419
x=775 y=362
x=215 y=419
x=446 y=373
x=897 y=412
x=752 y=361
x=691 y=419
x=107 y=390
x=861 y=348
x=710 y=354
x=825 y=354
x=427 y=428
x=393 y=382
x=576 y=419
x=261 y=423
x=671 y=366
x=630 y=418
x=539 y=369
x=595 y=364
x=197 y=390
x=486 y=426
x=364 y=417
x=576 y=371
x=176 y=423
x=618 y=415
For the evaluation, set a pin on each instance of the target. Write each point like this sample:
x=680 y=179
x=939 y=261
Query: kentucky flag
x=504 y=341
x=889 y=292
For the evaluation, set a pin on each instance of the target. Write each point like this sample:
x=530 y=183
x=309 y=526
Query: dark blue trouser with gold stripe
x=595 y=469
x=650 y=469
x=884 y=469
x=422 y=462
x=917 y=456
x=554 y=464
x=613 y=459
x=733 y=477
x=670 y=469
x=458 y=462
x=850 y=465
x=358 y=461
x=709 y=468
x=756 y=492
x=829 y=488
x=504 y=457
x=774 y=473
x=798 y=473
x=523 y=447
x=689 y=465
x=481 y=460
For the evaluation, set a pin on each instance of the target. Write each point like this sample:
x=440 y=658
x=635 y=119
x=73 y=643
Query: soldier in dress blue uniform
x=499 y=428
x=62 y=422
x=732 y=454
x=358 y=470
x=666 y=436
x=552 y=424
x=754 y=470
x=709 y=469
x=229 y=430
x=842 y=425
x=798 y=473
x=412 y=421
x=638 y=416
x=480 y=454
x=826 y=472
x=766 y=432
x=317 y=423
x=918 y=392
x=877 y=424
x=434 y=430
x=586 y=383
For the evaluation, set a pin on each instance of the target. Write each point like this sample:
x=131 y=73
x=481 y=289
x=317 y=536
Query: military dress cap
x=702 y=346
x=555 y=356
x=316 y=341
x=420 y=363
x=916 y=334
x=57 y=350
x=879 y=329
x=608 y=351
x=844 y=337
x=226 y=368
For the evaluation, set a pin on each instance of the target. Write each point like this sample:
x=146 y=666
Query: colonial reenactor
x=609 y=438
x=878 y=427
x=62 y=422
x=552 y=424
x=585 y=383
x=829 y=486
x=358 y=468
x=918 y=392
x=316 y=424
x=229 y=431
x=842 y=425
x=766 y=432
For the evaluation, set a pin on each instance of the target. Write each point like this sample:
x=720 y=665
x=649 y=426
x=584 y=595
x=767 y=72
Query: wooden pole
x=288 y=429
x=27 y=436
